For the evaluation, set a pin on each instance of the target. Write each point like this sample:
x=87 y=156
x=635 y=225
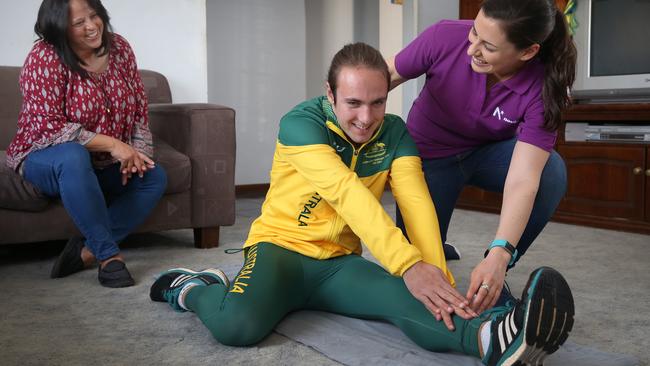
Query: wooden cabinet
x=608 y=183
x=469 y=8
x=604 y=180
x=647 y=186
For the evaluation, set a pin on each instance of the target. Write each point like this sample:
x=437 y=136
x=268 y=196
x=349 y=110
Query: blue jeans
x=486 y=167
x=104 y=210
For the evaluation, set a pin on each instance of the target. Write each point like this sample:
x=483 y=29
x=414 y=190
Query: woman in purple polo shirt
x=487 y=117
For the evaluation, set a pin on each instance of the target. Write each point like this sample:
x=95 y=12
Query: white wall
x=256 y=58
x=17 y=20
x=329 y=26
x=167 y=36
x=366 y=21
x=417 y=16
x=391 y=42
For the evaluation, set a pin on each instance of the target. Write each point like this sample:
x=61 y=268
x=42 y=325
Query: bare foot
x=87 y=257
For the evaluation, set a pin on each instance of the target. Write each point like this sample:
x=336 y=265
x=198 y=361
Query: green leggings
x=275 y=281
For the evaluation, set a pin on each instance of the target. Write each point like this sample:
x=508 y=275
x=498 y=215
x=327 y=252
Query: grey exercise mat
x=363 y=342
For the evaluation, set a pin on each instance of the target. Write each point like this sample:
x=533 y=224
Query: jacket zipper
x=353 y=164
x=336 y=225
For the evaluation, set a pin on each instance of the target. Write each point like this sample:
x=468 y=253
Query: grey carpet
x=74 y=321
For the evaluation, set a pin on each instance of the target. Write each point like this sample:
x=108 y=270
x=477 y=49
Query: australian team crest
x=375 y=154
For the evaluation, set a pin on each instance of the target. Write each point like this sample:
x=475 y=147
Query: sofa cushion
x=15 y=192
x=176 y=164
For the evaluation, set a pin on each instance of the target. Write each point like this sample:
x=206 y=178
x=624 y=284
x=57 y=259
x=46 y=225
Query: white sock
x=486 y=336
x=181 y=296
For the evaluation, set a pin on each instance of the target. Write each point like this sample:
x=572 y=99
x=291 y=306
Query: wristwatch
x=505 y=245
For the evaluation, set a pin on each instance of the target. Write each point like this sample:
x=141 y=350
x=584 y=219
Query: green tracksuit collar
x=329 y=111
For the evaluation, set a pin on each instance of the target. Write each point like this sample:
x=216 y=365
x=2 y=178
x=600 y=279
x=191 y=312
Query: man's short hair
x=356 y=55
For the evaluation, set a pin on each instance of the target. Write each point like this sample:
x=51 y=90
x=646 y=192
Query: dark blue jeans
x=486 y=167
x=104 y=210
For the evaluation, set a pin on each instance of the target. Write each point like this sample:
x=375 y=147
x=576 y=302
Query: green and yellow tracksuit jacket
x=324 y=195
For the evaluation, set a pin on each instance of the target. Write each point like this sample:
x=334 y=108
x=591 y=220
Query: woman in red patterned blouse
x=83 y=134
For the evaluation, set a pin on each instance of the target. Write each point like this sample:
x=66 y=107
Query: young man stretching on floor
x=333 y=157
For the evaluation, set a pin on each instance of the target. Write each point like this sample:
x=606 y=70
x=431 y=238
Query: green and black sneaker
x=534 y=327
x=170 y=284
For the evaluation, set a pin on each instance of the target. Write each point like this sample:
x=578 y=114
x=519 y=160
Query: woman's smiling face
x=85 y=27
x=491 y=51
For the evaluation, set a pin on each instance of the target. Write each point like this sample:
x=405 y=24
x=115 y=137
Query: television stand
x=612 y=96
x=608 y=182
x=614 y=100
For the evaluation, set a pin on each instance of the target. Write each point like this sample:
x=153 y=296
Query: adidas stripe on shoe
x=534 y=327
x=170 y=284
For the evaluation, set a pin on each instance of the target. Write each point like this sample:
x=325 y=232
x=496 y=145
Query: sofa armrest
x=206 y=134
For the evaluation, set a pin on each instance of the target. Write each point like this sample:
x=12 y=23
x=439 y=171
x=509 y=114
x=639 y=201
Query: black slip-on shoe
x=451 y=252
x=69 y=261
x=114 y=274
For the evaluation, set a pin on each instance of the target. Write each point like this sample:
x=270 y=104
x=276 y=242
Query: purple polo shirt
x=454 y=112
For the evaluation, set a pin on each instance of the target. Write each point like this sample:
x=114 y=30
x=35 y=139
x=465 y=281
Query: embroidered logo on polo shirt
x=500 y=115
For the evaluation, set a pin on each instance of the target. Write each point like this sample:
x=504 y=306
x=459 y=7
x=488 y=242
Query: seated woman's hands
x=131 y=160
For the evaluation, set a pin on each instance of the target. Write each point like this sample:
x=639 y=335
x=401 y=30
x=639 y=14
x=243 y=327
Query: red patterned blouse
x=60 y=106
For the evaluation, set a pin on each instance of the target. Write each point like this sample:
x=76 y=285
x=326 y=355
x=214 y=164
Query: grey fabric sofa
x=195 y=143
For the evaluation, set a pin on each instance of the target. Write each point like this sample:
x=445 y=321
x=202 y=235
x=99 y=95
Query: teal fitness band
x=505 y=245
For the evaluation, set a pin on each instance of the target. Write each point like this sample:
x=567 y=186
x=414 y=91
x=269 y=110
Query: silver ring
x=485 y=286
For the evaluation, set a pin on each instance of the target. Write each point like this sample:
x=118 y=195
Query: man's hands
x=131 y=160
x=429 y=285
x=491 y=271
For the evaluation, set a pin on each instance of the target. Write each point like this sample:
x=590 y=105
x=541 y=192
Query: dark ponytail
x=558 y=53
x=527 y=22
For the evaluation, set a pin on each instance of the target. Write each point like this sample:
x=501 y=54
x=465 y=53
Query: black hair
x=356 y=54
x=526 y=22
x=52 y=27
